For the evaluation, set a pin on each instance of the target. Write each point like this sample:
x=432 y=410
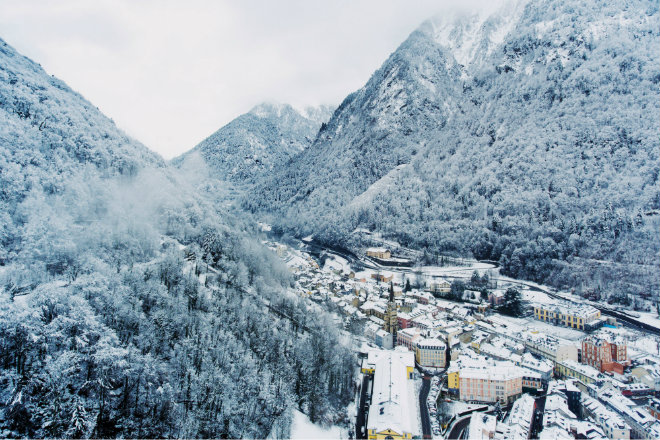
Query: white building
x=394 y=407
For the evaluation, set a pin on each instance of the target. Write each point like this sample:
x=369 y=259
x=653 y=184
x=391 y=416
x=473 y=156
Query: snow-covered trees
x=539 y=153
x=129 y=305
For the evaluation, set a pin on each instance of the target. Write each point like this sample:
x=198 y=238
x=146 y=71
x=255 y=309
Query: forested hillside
x=131 y=307
x=528 y=136
x=258 y=142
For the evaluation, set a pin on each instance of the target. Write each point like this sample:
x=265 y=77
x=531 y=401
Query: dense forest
x=130 y=304
x=534 y=144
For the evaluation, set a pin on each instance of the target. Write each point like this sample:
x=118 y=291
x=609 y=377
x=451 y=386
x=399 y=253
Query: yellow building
x=567 y=314
x=404 y=356
x=430 y=353
x=382 y=253
x=440 y=286
x=391 y=324
x=453 y=380
x=584 y=373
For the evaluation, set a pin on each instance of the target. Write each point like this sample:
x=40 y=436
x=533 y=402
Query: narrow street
x=361 y=420
x=423 y=409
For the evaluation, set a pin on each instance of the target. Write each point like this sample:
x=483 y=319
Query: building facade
x=584 y=373
x=407 y=337
x=604 y=355
x=566 y=314
x=490 y=385
x=391 y=324
x=381 y=253
x=430 y=353
x=439 y=286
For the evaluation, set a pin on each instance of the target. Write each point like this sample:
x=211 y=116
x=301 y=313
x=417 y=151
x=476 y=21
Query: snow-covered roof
x=520 y=417
x=554 y=433
x=431 y=343
x=482 y=426
x=393 y=398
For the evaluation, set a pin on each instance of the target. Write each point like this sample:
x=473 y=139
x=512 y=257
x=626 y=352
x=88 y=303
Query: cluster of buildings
x=597 y=385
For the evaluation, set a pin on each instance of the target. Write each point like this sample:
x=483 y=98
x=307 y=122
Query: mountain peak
x=471 y=36
x=259 y=141
x=271 y=109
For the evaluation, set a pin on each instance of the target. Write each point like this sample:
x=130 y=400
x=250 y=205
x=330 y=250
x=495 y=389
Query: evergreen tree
x=513 y=304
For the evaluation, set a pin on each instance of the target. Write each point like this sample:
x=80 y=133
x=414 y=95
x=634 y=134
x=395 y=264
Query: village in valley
x=459 y=351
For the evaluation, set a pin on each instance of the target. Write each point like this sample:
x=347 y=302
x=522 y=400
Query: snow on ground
x=536 y=297
x=303 y=428
x=367 y=196
x=457 y=406
x=647 y=344
x=650 y=318
x=337 y=263
x=543 y=327
x=437 y=271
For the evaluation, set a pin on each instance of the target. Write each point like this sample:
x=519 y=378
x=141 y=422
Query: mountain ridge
x=258 y=141
x=503 y=154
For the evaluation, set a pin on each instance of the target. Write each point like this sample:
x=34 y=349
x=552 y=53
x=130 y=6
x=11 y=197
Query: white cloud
x=171 y=73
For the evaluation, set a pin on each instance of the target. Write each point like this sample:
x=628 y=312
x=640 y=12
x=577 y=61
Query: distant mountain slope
x=130 y=306
x=530 y=137
x=259 y=141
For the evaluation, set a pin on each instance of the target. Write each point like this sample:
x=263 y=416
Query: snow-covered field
x=649 y=318
x=536 y=297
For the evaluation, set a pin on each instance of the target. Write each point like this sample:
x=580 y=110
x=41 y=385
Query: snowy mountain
x=526 y=135
x=260 y=141
x=129 y=305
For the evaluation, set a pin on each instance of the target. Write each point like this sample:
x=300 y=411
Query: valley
x=465 y=247
x=473 y=332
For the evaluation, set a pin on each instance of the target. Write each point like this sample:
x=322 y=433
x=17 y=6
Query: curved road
x=458 y=428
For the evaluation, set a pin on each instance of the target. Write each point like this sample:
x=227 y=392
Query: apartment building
x=503 y=384
x=430 y=353
x=605 y=355
x=578 y=316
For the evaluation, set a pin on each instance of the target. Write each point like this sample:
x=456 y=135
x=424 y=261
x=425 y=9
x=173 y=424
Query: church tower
x=391 y=324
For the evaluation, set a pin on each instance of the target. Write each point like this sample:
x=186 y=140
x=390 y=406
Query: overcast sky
x=171 y=73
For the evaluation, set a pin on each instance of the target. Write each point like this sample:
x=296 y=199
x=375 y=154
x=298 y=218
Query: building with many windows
x=503 y=384
x=430 y=353
x=578 y=316
x=550 y=347
x=407 y=337
x=381 y=253
x=584 y=373
x=605 y=355
x=439 y=285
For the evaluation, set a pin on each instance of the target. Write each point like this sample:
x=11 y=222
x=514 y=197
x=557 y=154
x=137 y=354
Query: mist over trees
x=130 y=305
